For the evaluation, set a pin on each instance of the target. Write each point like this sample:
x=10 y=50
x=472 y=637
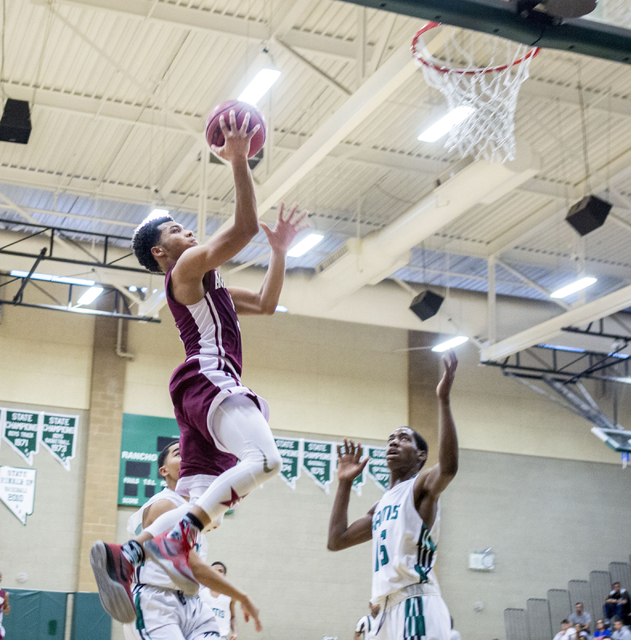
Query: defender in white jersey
x=163 y=612
x=403 y=525
x=367 y=626
x=222 y=606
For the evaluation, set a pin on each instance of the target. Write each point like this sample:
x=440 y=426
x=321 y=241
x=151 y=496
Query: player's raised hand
x=251 y=611
x=444 y=386
x=236 y=139
x=289 y=224
x=349 y=462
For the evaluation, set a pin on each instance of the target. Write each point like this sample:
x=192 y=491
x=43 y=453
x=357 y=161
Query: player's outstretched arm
x=234 y=631
x=435 y=480
x=212 y=579
x=349 y=466
x=263 y=302
x=196 y=261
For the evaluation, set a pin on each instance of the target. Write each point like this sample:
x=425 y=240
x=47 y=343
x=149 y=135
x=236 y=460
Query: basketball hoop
x=489 y=92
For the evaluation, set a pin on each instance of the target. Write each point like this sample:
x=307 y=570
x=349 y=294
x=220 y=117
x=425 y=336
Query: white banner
x=17 y=490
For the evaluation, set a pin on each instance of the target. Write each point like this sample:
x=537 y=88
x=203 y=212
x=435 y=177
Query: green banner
x=142 y=440
x=377 y=467
x=59 y=436
x=317 y=460
x=17 y=490
x=21 y=429
x=290 y=451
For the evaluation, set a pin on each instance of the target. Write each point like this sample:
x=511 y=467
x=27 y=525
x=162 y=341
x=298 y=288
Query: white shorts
x=416 y=618
x=163 y=614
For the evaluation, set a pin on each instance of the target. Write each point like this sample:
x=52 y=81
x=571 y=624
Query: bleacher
x=541 y=619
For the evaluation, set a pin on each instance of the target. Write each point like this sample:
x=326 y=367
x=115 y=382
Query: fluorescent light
x=564 y=292
x=90 y=295
x=281 y=309
x=446 y=124
x=450 y=344
x=306 y=244
x=260 y=85
x=49 y=278
x=158 y=213
x=133 y=288
x=561 y=347
x=154 y=291
x=144 y=289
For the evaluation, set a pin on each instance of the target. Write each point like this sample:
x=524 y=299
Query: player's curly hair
x=147 y=236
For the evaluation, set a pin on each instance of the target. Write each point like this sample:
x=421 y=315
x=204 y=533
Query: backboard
x=616 y=439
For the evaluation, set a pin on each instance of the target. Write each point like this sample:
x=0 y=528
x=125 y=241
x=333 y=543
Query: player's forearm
x=448 y=444
x=245 y=211
x=338 y=523
x=215 y=581
x=273 y=283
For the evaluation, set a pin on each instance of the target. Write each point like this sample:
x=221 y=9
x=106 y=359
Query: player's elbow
x=268 y=308
x=247 y=229
x=334 y=544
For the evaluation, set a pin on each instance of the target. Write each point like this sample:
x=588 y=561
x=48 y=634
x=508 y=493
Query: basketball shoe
x=113 y=573
x=170 y=550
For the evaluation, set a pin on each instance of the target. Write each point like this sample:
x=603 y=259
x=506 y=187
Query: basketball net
x=486 y=95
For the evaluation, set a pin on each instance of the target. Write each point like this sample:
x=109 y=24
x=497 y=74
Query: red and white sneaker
x=170 y=551
x=113 y=573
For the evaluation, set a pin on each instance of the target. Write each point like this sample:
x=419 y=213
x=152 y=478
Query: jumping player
x=163 y=612
x=220 y=420
x=403 y=525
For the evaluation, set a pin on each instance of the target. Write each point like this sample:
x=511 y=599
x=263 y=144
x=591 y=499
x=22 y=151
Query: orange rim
x=464 y=72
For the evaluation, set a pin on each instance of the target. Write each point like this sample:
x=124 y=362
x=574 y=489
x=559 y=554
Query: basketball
x=214 y=136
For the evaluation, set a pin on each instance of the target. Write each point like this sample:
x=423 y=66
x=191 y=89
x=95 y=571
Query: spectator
x=620 y=632
x=5 y=609
x=617 y=603
x=568 y=632
x=453 y=634
x=601 y=629
x=580 y=632
x=582 y=618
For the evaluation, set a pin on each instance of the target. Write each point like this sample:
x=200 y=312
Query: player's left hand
x=233 y=636
x=288 y=225
x=444 y=386
x=251 y=611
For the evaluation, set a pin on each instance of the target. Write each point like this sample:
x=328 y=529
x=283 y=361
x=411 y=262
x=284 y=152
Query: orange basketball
x=214 y=136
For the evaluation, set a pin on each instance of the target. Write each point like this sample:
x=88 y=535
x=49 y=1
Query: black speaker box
x=426 y=304
x=15 y=125
x=588 y=214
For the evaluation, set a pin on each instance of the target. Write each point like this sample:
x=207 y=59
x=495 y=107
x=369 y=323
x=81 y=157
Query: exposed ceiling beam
x=544 y=332
x=219 y=24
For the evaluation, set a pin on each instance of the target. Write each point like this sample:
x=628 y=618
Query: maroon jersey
x=211 y=372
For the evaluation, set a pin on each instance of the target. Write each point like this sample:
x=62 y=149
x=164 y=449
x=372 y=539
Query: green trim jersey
x=403 y=548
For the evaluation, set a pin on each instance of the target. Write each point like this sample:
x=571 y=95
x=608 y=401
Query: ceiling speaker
x=15 y=125
x=426 y=304
x=588 y=214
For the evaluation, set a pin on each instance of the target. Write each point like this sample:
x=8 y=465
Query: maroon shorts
x=197 y=388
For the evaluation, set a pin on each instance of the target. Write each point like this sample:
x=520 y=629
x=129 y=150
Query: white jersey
x=149 y=572
x=220 y=607
x=368 y=626
x=403 y=548
x=2 y=599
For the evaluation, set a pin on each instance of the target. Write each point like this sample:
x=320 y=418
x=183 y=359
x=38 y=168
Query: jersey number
x=382 y=553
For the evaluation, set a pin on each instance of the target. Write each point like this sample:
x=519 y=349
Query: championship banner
x=17 y=491
x=290 y=453
x=21 y=429
x=359 y=482
x=59 y=436
x=317 y=460
x=377 y=468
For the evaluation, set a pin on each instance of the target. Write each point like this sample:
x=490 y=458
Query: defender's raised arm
x=349 y=466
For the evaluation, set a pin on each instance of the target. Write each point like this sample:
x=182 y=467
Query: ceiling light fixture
x=450 y=344
x=158 y=213
x=281 y=309
x=48 y=278
x=446 y=124
x=306 y=244
x=90 y=296
x=259 y=86
x=579 y=285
